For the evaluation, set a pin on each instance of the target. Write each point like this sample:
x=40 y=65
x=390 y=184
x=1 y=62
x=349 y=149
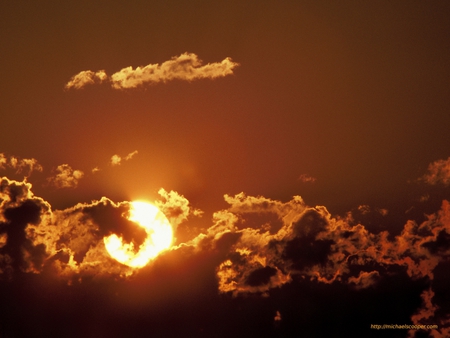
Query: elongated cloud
x=187 y=67
x=306 y=178
x=65 y=177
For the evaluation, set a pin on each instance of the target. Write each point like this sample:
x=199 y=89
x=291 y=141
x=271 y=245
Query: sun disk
x=159 y=236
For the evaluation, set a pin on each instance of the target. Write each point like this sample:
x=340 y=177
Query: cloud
x=309 y=244
x=3 y=161
x=86 y=77
x=117 y=160
x=130 y=155
x=69 y=242
x=281 y=256
x=306 y=178
x=438 y=173
x=65 y=177
x=277 y=316
x=19 y=209
x=187 y=67
x=176 y=207
x=22 y=166
x=313 y=245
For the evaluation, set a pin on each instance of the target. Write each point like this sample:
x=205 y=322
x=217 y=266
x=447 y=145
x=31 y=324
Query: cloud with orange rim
x=185 y=67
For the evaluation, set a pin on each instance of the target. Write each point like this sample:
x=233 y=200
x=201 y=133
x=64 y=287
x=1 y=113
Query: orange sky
x=345 y=104
x=354 y=95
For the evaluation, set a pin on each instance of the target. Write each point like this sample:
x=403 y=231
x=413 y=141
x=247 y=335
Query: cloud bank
x=187 y=67
x=262 y=267
x=284 y=256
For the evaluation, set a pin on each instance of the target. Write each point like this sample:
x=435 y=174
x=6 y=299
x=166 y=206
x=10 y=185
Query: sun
x=159 y=236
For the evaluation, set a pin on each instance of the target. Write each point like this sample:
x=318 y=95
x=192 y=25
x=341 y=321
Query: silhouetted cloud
x=280 y=254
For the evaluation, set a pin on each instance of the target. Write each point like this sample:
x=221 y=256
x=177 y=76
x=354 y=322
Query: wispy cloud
x=306 y=178
x=117 y=160
x=438 y=172
x=187 y=67
x=21 y=166
x=65 y=177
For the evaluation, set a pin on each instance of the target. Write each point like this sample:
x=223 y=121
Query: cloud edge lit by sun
x=186 y=67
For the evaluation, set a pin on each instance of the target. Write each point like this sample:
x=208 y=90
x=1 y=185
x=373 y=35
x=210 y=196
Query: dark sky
x=345 y=104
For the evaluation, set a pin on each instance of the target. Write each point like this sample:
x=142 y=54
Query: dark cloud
x=111 y=218
x=298 y=271
x=260 y=276
x=19 y=210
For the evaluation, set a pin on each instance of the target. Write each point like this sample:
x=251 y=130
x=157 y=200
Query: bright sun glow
x=159 y=236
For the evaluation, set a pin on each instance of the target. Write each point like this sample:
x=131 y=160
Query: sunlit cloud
x=23 y=166
x=70 y=241
x=186 y=67
x=86 y=77
x=438 y=172
x=248 y=254
x=130 y=155
x=65 y=177
x=176 y=207
x=3 y=161
x=117 y=160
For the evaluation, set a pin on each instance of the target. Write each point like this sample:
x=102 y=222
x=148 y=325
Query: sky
x=299 y=150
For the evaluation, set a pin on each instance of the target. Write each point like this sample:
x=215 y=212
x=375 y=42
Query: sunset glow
x=159 y=236
x=225 y=169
